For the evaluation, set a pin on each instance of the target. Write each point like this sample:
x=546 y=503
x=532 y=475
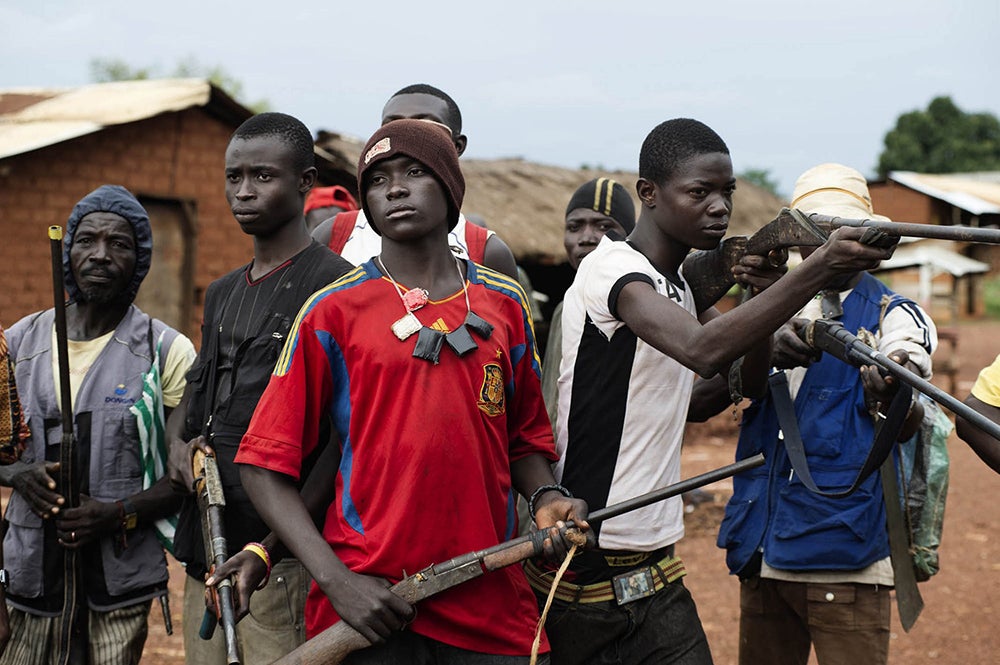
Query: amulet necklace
x=429 y=340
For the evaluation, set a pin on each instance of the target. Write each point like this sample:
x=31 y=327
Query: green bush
x=991 y=297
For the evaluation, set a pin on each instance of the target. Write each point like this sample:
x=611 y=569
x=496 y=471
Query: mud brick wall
x=177 y=156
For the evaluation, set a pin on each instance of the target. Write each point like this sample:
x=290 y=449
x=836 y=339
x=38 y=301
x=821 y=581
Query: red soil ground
x=962 y=602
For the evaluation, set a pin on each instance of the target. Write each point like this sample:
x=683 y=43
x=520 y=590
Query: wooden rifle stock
x=334 y=644
x=710 y=272
x=211 y=505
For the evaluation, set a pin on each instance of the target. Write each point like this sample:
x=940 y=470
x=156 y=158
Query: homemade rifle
x=211 y=505
x=335 y=643
x=710 y=272
x=833 y=338
x=73 y=626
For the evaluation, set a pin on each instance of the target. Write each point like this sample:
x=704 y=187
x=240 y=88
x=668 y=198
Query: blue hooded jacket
x=116 y=199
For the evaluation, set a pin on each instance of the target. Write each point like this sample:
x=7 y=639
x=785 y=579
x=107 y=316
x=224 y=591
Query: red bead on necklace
x=414 y=299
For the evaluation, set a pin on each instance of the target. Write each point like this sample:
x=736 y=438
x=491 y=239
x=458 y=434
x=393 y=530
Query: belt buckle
x=633 y=585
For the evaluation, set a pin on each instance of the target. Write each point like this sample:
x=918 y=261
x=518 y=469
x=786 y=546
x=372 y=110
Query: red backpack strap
x=343 y=225
x=475 y=240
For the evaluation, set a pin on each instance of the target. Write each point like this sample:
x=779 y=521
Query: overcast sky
x=787 y=83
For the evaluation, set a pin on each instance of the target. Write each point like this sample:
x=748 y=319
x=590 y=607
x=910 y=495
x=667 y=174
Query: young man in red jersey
x=351 y=235
x=426 y=364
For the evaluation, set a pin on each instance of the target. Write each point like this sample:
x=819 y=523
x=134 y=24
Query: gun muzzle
x=831 y=337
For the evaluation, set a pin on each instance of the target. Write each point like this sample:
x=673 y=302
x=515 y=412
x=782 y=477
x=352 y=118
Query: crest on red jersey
x=491 y=395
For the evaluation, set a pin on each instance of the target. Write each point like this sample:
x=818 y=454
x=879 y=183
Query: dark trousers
x=661 y=629
x=408 y=648
x=847 y=624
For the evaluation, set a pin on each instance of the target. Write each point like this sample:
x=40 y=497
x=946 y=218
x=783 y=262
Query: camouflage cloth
x=13 y=427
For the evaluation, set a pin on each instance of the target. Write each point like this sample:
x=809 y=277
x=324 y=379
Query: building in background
x=165 y=141
x=946 y=278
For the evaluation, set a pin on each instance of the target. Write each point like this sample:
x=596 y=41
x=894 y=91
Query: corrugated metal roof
x=977 y=193
x=32 y=118
x=939 y=259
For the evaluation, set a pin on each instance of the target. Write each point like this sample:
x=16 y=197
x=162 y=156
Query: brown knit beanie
x=427 y=142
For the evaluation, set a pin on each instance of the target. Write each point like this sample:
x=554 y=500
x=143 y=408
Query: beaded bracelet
x=262 y=552
x=542 y=490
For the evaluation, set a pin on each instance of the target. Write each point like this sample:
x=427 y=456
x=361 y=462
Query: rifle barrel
x=62 y=355
x=858 y=353
x=913 y=230
x=73 y=626
x=614 y=510
x=941 y=397
x=686 y=485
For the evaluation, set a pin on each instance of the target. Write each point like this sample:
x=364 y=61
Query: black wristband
x=542 y=490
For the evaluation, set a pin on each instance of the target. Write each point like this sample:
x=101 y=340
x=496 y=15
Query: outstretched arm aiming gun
x=212 y=504
x=334 y=644
x=710 y=272
x=833 y=338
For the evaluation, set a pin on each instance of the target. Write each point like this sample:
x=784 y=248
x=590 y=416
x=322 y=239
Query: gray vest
x=110 y=387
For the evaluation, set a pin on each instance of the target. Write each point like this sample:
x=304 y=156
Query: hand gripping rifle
x=334 y=644
x=710 y=272
x=73 y=626
x=212 y=505
x=833 y=338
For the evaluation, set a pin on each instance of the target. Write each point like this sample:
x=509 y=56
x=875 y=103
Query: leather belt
x=669 y=569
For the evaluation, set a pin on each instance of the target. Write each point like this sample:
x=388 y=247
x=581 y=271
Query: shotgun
x=73 y=625
x=212 y=505
x=710 y=272
x=334 y=644
x=833 y=338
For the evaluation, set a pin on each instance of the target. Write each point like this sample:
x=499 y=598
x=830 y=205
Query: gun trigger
x=777 y=257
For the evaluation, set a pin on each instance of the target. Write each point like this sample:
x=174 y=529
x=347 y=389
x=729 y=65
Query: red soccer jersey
x=425 y=470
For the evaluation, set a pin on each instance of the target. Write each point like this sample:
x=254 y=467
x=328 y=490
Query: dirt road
x=959 y=623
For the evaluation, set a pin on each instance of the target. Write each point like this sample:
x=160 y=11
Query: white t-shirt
x=364 y=242
x=82 y=355
x=622 y=403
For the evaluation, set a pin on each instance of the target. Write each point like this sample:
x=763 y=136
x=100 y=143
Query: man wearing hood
x=112 y=345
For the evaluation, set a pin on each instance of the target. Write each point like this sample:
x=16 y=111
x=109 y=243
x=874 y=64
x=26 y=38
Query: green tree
x=942 y=139
x=761 y=178
x=104 y=70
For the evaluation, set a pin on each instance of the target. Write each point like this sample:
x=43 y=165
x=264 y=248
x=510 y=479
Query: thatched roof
x=525 y=202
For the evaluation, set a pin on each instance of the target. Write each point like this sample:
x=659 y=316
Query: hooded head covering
x=431 y=144
x=120 y=201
